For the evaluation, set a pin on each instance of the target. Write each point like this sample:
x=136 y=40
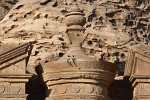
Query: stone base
x=78 y=97
x=12 y=98
x=143 y=97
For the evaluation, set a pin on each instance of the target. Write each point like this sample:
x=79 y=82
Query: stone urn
x=75 y=17
x=77 y=76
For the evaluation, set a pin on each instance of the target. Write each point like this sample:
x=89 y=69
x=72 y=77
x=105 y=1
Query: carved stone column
x=76 y=76
x=138 y=69
x=13 y=76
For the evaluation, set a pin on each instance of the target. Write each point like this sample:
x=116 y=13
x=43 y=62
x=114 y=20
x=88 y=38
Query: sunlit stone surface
x=74 y=49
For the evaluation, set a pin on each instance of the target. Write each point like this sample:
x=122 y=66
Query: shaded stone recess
x=121 y=90
x=35 y=90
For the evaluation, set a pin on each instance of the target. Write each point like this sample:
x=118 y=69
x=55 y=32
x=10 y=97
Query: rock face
x=112 y=27
x=5 y=6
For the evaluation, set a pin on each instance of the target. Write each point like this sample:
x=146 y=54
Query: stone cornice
x=135 y=79
x=14 y=55
x=15 y=78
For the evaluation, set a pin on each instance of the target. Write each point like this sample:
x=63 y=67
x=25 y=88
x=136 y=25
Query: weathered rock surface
x=5 y=6
x=111 y=26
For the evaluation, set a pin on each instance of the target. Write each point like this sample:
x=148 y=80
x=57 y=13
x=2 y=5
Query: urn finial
x=75 y=19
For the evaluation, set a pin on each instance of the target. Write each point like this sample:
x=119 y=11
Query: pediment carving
x=15 y=59
x=138 y=59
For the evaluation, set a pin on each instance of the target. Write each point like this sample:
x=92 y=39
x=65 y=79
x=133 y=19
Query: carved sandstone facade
x=74 y=49
x=76 y=76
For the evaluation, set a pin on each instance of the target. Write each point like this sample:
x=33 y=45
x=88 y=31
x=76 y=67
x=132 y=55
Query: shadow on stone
x=35 y=88
x=121 y=90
